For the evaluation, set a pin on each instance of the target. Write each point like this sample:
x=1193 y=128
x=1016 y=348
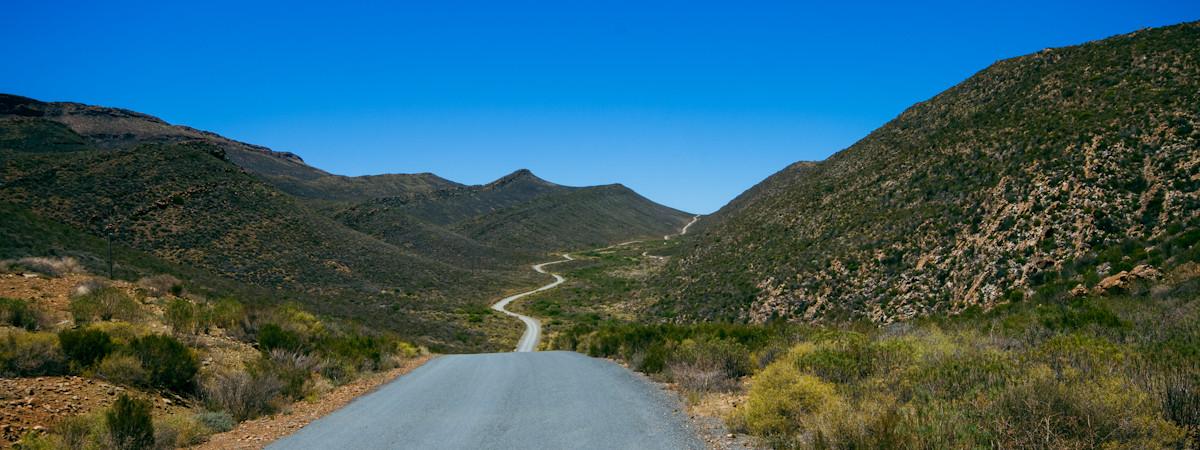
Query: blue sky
x=688 y=102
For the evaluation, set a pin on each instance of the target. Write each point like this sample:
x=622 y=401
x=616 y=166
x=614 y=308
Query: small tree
x=129 y=424
x=85 y=347
x=169 y=364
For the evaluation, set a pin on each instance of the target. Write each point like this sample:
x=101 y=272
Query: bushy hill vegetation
x=517 y=216
x=1037 y=175
x=204 y=363
x=244 y=220
x=184 y=203
x=1107 y=369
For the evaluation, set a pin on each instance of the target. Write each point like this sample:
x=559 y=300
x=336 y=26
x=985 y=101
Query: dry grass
x=51 y=267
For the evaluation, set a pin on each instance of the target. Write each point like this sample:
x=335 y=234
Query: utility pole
x=110 y=262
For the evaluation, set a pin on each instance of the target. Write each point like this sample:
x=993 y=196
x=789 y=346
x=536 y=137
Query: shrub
x=783 y=400
x=709 y=364
x=122 y=369
x=292 y=368
x=37 y=440
x=169 y=363
x=129 y=424
x=84 y=346
x=839 y=357
x=227 y=313
x=25 y=353
x=86 y=431
x=957 y=374
x=161 y=285
x=272 y=336
x=88 y=286
x=180 y=430
x=241 y=394
x=104 y=304
x=1046 y=410
x=1181 y=402
x=217 y=421
x=18 y=313
x=183 y=316
x=121 y=333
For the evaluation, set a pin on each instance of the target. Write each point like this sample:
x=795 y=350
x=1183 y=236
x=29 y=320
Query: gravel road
x=533 y=327
x=553 y=400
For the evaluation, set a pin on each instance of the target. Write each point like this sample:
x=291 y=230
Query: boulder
x=1125 y=278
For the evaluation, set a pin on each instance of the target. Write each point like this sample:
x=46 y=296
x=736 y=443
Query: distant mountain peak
x=520 y=175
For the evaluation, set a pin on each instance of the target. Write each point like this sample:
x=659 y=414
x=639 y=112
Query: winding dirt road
x=533 y=327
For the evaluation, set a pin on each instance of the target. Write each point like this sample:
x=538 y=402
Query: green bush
x=124 y=369
x=272 y=336
x=227 y=313
x=37 y=440
x=84 y=431
x=24 y=353
x=183 y=316
x=129 y=424
x=169 y=364
x=218 y=421
x=836 y=356
x=709 y=364
x=106 y=303
x=18 y=313
x=84 y=346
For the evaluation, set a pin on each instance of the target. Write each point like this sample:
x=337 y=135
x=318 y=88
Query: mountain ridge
x=1034 y=176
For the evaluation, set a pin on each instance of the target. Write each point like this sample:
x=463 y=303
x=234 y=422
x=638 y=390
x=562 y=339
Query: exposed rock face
x=1126 y=278
x=1060 y=162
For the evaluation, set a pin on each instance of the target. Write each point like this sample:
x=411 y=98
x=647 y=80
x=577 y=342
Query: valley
x=1012 y=263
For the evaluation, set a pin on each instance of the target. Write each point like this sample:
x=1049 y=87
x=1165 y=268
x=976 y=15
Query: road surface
x=533 y=328
x=534 y=400
x=684 y=230
x=520 y=400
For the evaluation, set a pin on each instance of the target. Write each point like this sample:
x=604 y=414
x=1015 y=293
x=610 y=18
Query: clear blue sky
x=688 y=102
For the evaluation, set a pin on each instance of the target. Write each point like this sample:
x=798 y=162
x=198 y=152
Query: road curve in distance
x=552 y=400
x=684 y=230
x=533 y=327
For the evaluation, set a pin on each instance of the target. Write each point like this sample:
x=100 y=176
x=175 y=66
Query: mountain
x=184 y=202
x=115 y=128
x=1037 y=176
x=518 y=215
x=412 y=252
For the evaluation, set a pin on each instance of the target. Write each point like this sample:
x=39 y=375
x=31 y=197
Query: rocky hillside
x=1057 y=171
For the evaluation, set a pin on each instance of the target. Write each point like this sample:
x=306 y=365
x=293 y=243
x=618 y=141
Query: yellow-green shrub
x=104 y=304
x=122 y=368
x=1070 y=411
x=179 y=430
x=122 y=333
x=783 y=401
x=24 y=353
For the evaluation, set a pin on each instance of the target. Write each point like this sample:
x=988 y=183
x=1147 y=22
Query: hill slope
x=414 y=253
x=1038 y=174
x=184 y=203
x=115 y=128
x=517 y=216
